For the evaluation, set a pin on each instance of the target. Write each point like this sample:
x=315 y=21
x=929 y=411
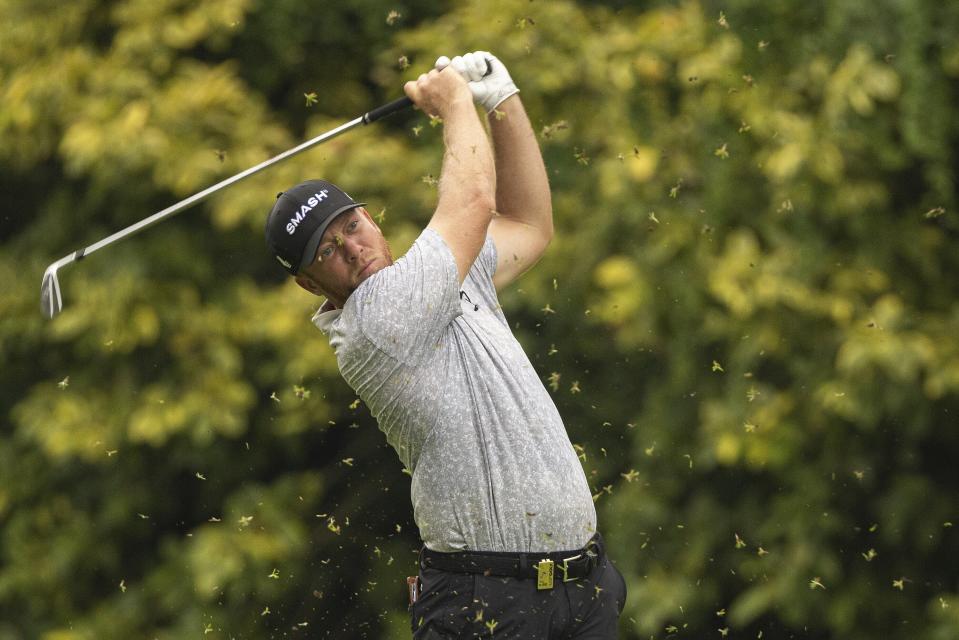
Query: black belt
x=565 y=565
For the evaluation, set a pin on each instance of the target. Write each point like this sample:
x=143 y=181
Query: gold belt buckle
x=544 y=574
x=565 y=567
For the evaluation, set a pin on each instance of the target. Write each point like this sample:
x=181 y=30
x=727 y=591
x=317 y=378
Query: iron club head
x=50 y=301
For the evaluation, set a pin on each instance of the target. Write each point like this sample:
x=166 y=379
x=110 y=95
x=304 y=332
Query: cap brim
x=309 y=252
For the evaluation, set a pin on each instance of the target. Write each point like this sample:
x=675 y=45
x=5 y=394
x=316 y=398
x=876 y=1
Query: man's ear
x=309 y=284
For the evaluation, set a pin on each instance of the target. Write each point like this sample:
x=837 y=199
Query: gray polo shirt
x=456 y=396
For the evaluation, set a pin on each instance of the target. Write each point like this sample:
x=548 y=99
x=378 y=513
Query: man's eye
x=353 y=225
x=327 y=252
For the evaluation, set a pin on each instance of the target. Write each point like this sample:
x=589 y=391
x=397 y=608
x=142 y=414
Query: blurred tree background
x=748 y=317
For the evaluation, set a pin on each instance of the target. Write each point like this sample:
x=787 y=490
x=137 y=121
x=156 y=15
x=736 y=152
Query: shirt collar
x=325 y=316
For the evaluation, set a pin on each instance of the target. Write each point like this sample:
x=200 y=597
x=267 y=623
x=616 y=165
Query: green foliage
x=746 y=316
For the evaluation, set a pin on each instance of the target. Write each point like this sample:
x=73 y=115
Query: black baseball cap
x=298 y=219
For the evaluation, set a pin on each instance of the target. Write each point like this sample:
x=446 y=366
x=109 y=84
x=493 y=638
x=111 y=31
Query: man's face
x=352 y=249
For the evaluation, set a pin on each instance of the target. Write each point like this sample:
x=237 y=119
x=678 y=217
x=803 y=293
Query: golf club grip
x=387 y=109
x=401 y=103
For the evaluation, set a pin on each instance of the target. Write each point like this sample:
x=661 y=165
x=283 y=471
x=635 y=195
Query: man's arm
x=524 y=227
x=467 y=187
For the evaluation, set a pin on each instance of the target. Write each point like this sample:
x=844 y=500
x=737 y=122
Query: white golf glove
x=489 y=90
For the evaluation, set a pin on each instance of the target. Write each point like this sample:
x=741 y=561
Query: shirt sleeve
x=406 y=307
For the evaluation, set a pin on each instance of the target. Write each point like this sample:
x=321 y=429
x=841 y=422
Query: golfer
x=499 y=496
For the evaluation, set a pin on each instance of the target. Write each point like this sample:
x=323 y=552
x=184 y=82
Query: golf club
x=51 y=300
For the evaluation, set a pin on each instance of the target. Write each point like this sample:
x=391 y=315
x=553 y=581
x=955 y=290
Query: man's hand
x=436 y=93
x=488 y=90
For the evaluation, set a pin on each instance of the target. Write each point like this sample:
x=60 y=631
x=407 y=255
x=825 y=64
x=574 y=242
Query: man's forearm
x=467 y=189
x=522 y=188
x=468 y=177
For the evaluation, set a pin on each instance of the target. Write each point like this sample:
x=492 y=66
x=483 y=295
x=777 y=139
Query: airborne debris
x=606 y=489
x=332 y=526
x=580 y=451
x=554 y=381
x=549 y=130
x=301 y=392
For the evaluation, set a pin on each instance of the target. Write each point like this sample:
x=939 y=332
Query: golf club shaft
x=367 y=118
x=51 y=301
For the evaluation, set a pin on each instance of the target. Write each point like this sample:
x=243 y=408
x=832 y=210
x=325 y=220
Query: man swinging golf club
x=499 y=496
